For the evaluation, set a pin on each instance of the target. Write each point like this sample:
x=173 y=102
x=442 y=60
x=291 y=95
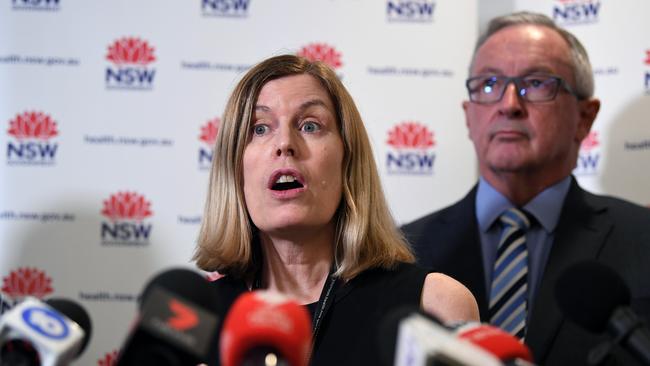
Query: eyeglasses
x=486 y=89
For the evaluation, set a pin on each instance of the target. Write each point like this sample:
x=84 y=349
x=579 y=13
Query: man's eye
x=260 y=129
x=537 y=82
x=489 y=84
x=310 y=126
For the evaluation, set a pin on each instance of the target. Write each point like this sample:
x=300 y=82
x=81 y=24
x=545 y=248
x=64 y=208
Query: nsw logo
x=225 y=8
x=23 y=282
x=589 y=155
x=321 y=52
x=647 y=73
x=32 y=133
x=37 y=5
x=109 y=359
x=130 y=58
x=208 y=136
x=126 y=212
x=420 y=11
x=568 y=12
x=410 y=149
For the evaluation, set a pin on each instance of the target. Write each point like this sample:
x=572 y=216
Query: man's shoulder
x=462 y=209
x=620 y=209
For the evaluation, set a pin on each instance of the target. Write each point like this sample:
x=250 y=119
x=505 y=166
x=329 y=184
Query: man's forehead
x=526 y=48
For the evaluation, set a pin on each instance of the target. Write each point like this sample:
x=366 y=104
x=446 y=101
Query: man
x=530 y=106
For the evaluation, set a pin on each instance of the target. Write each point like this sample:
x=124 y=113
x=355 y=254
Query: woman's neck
x=297 y=268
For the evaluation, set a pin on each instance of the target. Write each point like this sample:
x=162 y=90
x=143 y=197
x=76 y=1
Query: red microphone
x=264 y=324
x=499 y=343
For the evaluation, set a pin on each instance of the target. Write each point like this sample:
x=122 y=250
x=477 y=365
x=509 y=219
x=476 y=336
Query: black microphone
x=177 y=324
x=596 y=298
x=49 y=333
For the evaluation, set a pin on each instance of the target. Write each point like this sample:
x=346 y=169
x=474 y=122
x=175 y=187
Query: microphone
x=50 y=333
x=497 y=342
x=176 y=325
x=596 y=298
x=407 y=336
x=266 y=328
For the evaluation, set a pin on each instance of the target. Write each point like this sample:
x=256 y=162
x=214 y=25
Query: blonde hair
x=366 y=235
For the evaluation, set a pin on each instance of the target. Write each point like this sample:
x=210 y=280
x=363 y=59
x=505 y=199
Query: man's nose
x=512 y=102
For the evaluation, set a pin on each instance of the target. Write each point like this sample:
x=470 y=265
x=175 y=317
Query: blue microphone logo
x=46 y=322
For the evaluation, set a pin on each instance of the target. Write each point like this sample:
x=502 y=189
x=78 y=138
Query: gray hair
x=583 y=74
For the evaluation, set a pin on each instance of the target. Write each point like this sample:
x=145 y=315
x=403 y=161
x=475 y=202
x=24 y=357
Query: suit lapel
x=462 y=244
x=579 y=236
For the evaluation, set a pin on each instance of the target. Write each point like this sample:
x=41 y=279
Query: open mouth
x=286 y=182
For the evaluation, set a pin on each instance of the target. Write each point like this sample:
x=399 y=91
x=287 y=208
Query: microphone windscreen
x=497 y=342
x=75 y=312
x=389 y=329
x=263 y=319
x=186 y=283
x=589 y=292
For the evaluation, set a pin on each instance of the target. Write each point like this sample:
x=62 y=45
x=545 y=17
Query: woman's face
x=293 y=160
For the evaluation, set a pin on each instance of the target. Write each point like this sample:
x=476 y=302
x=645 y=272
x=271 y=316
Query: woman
x=295 y=205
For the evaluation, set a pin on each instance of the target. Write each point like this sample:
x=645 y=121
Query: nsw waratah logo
x=410 y=10
x=22 y=282
x=208 y=137
x=321 y=52
x=568 y=12
x=32 y=133
x=126 y=213
x=131 y=58
x=589 y=155
x=109 y=359
x=37 y=5
x=410 y=149
x=225 y=8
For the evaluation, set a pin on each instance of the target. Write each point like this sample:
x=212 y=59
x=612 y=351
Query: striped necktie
x=509 y=290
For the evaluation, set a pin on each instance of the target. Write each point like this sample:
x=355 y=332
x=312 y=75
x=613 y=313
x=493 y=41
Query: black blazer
x=610 y=230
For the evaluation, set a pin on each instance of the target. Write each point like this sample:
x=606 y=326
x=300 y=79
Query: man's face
x=517 y=136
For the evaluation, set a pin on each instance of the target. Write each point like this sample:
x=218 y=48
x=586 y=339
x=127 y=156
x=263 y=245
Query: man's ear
x=588 y=110
x=465 y=107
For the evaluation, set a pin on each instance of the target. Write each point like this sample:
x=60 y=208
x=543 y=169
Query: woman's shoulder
x=448 y=299
x=398 y=275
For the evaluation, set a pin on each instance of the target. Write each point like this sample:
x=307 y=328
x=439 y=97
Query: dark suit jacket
x=591 y=227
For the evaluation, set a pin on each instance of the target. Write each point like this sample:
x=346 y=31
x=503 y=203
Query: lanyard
x=324 y=303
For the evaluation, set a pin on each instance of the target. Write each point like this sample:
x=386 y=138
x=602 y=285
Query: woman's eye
x=310 y=126
x=260 y=129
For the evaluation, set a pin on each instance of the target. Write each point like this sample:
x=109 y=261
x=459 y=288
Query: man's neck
x=520 y=188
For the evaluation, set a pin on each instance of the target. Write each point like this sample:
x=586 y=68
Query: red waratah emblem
x=27 y=282
x=321 y=52
x=109 y=359
x=209 y=131
x=35 y=125
x=590 y=142
x=411 y=135
x=647 y=57
x=130 y=50
x=127 y=205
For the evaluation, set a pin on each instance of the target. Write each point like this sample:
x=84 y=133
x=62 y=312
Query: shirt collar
x=545 y=207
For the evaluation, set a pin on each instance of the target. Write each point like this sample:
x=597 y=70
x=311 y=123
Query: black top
x=348 y=330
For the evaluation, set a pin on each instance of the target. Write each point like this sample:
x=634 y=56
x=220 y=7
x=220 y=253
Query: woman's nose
x=286 y=143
